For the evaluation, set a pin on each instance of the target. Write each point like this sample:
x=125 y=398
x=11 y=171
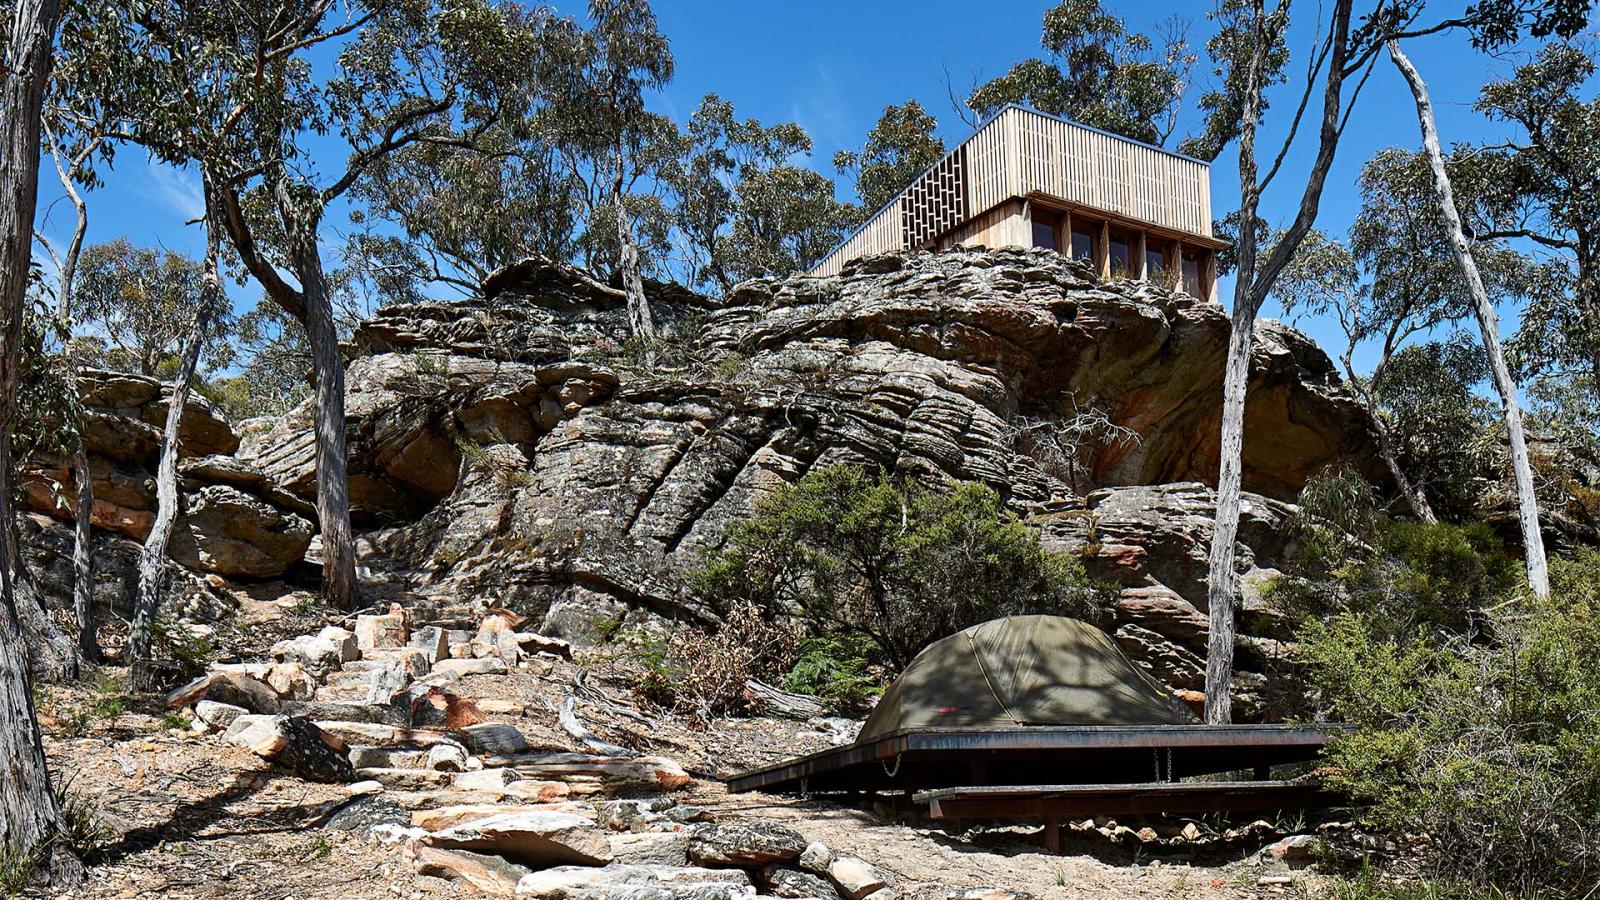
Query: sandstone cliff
x=509 y=449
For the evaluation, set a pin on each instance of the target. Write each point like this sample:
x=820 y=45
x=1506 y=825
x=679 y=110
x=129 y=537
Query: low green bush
x=836 y=668
x=1401 y=574
x=859 y=553
x=1488 y=743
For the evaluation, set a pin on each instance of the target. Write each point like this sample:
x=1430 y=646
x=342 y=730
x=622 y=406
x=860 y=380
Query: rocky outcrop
x=534 y=465
x=509 y=450
x=236 y=523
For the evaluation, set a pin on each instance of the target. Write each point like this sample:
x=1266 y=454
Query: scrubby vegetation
x=1473 y=701
x=859 y=554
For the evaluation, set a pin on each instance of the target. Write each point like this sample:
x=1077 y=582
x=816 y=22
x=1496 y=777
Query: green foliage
x=1490 y=746
x=836 y=668
x=82 y=829
x=185 y=652
x=1239 y=33
x=861 y=553
x=1401 y=575
x=899 y=147
x=743 y=208
x=143 y=303
x=1098 y=73
x=1544 y=183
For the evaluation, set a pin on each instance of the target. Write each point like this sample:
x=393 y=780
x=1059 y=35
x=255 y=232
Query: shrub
x=835 y=667
x=1490 y=747
x=703 y=673
x=859 y=553
x=1399 y=574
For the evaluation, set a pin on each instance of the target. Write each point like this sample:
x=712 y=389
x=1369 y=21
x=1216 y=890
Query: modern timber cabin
x=1027 y=179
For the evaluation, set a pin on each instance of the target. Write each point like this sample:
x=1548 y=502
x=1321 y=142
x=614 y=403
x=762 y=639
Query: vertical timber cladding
x=936 y=202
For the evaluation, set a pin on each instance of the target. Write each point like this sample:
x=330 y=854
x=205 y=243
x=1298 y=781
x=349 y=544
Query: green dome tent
x=1023 y=670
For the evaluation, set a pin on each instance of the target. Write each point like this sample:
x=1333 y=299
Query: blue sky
x=832 y=66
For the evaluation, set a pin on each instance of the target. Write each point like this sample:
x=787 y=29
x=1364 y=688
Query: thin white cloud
x=176 y=189
x=821 y=112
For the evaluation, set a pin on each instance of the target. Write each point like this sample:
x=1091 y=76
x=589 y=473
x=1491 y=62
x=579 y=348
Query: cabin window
x=1121 y=253
x=1046 y=229
x=1083 y=241
x=1155 y=264
x=1191 y=273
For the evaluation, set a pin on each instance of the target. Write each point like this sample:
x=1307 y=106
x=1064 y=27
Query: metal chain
x=888 y=771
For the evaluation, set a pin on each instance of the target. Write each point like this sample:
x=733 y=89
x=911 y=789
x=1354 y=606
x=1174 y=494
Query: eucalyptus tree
x=899 y=147
x=1248 y=53
x=1393 y=283
x=138 y=304
x=73 y=156
x=29 y=813
x=593 y=110
x=1100 y=73
x=1548 y=175
x=1488 y=324
x=244 y=91
x=741 y=206
x=449 y=213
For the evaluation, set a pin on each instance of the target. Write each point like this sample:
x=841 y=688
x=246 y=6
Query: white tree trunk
x=1488 y=323
x=83 y=555
x=152 y=557
x=1222 y=581
x=639 y=319
x=28 y=812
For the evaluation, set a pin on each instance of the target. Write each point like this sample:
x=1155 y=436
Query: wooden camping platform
x=921 y=759
x=1052 y=803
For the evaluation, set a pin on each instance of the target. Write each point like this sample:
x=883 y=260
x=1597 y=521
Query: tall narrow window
x=1046 y=231
x=1155 y=265
x=1191 y=272
x=1082 y=240
x=1121 y=253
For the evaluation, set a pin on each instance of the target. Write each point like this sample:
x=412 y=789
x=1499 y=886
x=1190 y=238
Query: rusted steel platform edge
x=1055 y=737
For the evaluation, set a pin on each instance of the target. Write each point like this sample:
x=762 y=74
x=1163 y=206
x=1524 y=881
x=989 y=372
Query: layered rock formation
x=585 y=487
x=510 y=449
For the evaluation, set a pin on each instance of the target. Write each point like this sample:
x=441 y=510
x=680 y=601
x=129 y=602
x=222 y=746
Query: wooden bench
x=1052 y=803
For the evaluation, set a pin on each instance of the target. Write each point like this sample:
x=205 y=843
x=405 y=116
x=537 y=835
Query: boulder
x=218 y=715
x=445 y=817
x=291 y=681
x=787 y=881
x=816 y=859
x=447 y=758
x=755 y=844
x=486 y=873
x=538 y=643
x=317 y=654
x=235 y=689
x=855 y=877
x=433 y=642
x=532 y=838
x=292 y=743
x=660 y=848
x=381 y=631
x=493 y=738
x=637 y=882
x=489 y=665
x=234 y=534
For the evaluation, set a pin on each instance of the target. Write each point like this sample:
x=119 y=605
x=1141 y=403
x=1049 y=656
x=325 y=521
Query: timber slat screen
x=930 y=758
x=1020 y=152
